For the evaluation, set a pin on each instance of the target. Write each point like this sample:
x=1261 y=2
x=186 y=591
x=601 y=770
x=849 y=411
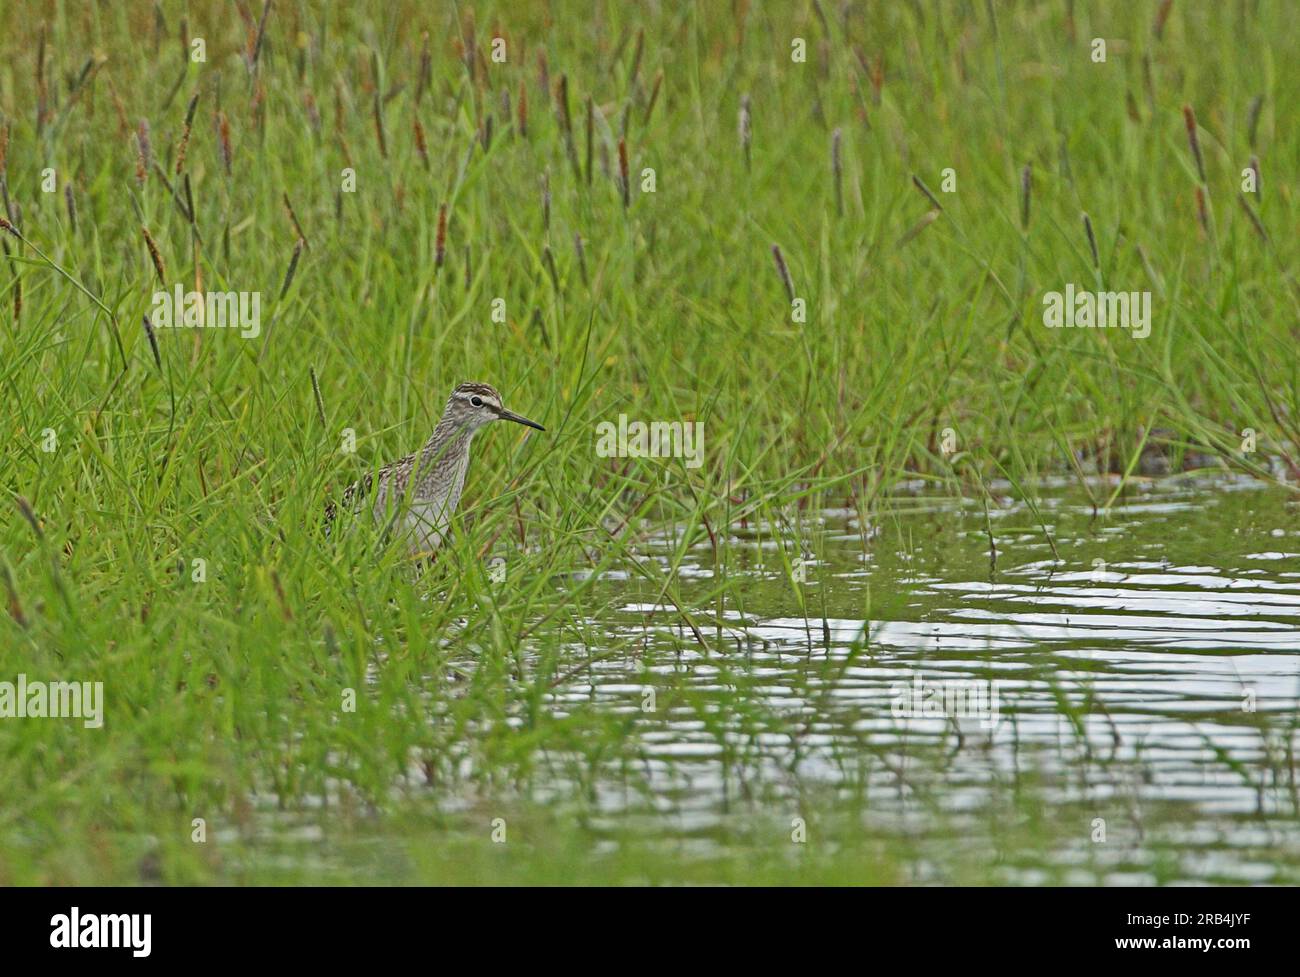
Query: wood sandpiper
x=418 y=494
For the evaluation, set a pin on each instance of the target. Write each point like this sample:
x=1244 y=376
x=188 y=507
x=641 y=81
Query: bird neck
x=448 y=441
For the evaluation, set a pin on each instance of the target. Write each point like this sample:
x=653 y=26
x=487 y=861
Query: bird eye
x=476 y=401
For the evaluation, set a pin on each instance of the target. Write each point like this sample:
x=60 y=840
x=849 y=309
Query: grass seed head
x=744 y=125
x=293 y=267
x=654 y=97
x=440 y=245
x=421 y=147
x=153 y=341
x=1092 y=240
x=1026 y=190
x=1162 y=15
x=143 y=151
x=1253 y=217
x=783 y=271
x=623 y=177
x=1202 y=210
x=925 y=192
x=223 y=139
x=1189 y=120
x=1252 y=118
x=155 y=255
x=837 y=171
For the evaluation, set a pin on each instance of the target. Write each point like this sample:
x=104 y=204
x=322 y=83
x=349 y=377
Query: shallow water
x=1155 y=691
x=1144 y=664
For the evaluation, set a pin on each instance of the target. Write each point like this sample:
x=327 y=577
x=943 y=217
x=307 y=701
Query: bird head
x=473 y=405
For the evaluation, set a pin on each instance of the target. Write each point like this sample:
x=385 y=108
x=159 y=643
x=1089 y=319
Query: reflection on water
x=1147 y=678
